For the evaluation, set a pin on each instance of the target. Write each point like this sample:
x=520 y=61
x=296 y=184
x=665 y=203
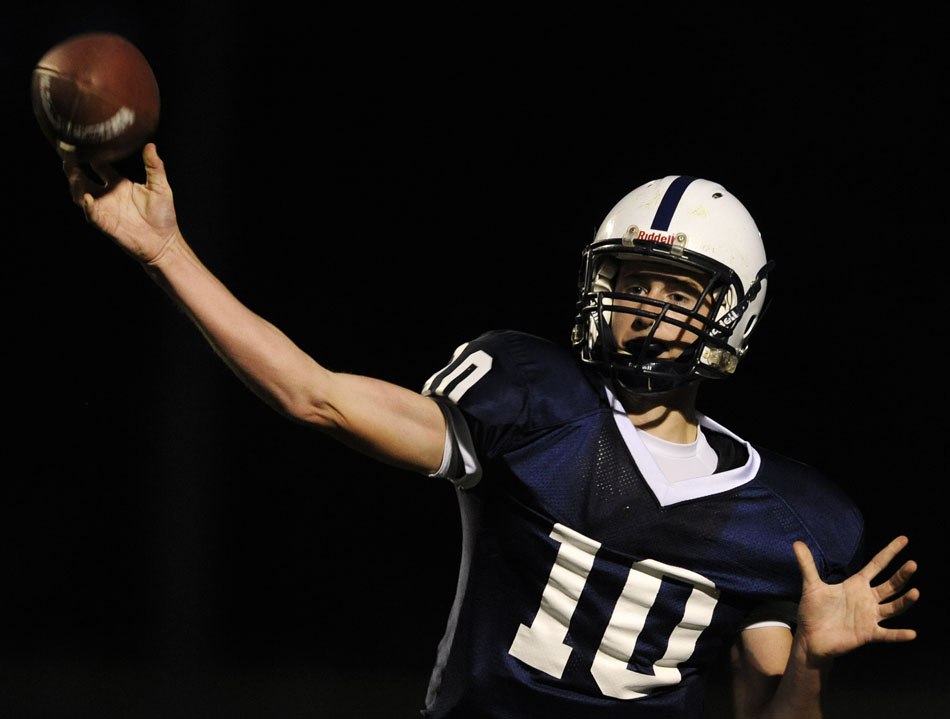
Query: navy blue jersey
x=589 y=585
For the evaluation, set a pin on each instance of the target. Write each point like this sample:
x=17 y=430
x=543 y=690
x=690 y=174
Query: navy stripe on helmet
x=669 y=203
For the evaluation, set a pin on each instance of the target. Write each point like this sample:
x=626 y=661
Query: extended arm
x=777 y=675
x=391 y=423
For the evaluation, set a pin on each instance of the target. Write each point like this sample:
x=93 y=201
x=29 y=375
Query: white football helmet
x=693 y=224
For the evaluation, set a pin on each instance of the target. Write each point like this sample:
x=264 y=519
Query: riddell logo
x=656 y=237
x=635 y=234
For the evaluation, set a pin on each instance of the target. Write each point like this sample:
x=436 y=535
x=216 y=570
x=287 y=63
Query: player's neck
x=667 y=415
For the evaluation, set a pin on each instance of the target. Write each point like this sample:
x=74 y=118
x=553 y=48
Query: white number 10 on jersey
x=542 y=645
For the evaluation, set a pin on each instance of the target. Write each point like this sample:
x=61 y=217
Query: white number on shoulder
x=455 y=379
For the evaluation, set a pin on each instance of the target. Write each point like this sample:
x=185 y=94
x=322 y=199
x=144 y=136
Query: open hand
x=836 y=618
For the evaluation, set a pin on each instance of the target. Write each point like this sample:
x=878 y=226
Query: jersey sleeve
x=497 y=393
x=460 y=463
x=483 y=404
x=774 y=613
x=819 y=513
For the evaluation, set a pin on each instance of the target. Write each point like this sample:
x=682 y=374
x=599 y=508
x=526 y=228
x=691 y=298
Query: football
x=95 y=97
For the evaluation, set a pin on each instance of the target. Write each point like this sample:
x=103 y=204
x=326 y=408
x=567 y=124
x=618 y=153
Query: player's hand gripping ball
x=95 y=97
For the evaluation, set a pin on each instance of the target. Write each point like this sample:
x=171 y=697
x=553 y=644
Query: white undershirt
x=680 y=461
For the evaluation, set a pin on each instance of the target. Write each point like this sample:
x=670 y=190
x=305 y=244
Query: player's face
x=666 y=284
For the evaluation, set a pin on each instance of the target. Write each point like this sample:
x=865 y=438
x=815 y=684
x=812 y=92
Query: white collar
x=668 y=493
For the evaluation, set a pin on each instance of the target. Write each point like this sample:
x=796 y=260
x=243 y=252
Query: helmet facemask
x=639 y=365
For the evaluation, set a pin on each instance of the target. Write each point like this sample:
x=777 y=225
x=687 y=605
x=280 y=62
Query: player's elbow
x=307 y=402
x=313 y=412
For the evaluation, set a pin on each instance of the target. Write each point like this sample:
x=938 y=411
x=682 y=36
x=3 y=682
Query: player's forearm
x=382 y=420
x=388 y=422
x=264 y=358
x=799 y=692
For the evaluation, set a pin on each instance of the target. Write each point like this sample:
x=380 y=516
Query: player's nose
x=644 y=317
x=646 y=311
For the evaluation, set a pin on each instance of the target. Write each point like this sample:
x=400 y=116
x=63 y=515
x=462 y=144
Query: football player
x=616 y=542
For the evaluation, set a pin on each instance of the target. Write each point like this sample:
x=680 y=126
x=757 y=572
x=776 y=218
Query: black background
x=384 y=185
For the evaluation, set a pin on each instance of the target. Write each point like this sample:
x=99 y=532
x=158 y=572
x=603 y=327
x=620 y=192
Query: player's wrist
x=170 y=251
x=809 y=652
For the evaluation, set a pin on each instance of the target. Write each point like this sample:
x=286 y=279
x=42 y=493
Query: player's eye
x=633 y=288
x=682 y=300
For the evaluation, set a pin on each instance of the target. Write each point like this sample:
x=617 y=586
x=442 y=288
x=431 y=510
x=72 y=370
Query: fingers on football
x=78 y=182
x=108 y=174
x=82 y=188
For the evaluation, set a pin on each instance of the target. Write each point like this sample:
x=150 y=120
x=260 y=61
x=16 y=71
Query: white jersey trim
x=458 y=439
x=667 y=492
x=762 y=625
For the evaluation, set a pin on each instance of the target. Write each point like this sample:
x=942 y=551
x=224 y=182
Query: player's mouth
x=645 y=348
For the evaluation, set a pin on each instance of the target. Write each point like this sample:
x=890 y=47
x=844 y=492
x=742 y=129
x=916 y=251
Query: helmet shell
x=689 y=222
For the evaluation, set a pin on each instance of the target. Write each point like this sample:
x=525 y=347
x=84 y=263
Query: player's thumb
x=806 y=563
x=154 y=167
